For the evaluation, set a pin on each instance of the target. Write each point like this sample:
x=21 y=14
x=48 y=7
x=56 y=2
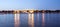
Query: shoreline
x=30 y=11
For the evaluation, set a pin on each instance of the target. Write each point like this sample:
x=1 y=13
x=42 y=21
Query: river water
x=30 y=20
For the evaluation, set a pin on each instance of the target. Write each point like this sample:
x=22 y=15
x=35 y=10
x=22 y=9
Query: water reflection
x=16 y=20
x=2 y=21
x=37 y=16
x=31 y=20
x=43 y=20
x=37 y=22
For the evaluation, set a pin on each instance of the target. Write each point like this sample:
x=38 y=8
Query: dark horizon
x=28 y=11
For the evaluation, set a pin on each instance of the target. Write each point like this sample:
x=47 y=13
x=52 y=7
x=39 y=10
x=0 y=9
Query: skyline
x=29 y=4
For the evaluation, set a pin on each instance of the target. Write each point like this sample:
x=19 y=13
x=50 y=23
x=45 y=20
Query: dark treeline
x=4 y=11
x=48 y=11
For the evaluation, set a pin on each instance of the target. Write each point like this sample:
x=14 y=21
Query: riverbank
x=30 y=11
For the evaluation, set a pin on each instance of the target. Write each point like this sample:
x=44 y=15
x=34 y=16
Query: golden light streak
x=31 y=20
x=43 y=21
x=16 y=19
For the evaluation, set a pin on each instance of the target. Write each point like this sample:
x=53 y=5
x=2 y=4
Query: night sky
x=30 y=4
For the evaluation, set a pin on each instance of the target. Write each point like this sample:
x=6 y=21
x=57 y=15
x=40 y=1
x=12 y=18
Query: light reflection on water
x=30 y=20
x=17 y=20
x=43 y=20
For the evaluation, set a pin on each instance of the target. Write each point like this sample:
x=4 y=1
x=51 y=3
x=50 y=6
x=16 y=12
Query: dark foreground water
x=30 y=20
